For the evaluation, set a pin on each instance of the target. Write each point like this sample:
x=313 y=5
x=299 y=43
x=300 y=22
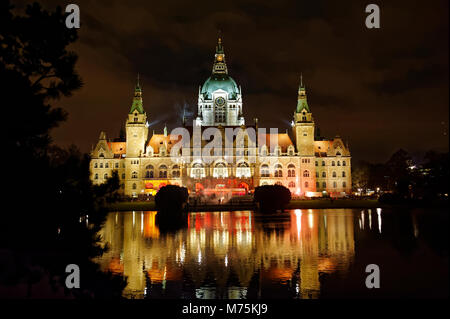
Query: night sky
x=380 y=89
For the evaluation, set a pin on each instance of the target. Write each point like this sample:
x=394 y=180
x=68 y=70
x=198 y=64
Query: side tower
x=303 y=124
x=136 y=126
x=304 y=142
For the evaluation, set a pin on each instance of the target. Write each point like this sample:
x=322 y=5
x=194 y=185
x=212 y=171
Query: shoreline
x=295 y=204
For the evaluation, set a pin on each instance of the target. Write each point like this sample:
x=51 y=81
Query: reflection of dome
x=220 y=81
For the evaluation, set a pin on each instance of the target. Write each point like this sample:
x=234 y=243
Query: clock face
x=220 y=101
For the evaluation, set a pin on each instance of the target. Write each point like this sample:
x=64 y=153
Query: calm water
x=308 y=254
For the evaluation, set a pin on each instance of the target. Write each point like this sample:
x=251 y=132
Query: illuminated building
x=303 y=162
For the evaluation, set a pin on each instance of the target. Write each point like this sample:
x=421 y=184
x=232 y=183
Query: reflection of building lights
x=370 y=219
x=199 y=256
x=142 y=222
x=134 y=218
x=310 y=220
x=297 y=191
x=379 y=219
x=226 y=260
x=362 y=219
x=298 y=217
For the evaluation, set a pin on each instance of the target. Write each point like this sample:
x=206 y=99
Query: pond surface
x=308 y=253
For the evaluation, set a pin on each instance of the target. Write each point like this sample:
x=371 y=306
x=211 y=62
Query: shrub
x=272 y=197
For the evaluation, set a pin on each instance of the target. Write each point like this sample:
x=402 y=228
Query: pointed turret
x=137 y=104
x=220 y=66
x=302 y=102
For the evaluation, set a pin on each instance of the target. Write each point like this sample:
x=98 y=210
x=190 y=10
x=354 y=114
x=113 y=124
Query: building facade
x=300 y=160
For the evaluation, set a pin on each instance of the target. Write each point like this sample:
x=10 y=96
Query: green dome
x=220 y=81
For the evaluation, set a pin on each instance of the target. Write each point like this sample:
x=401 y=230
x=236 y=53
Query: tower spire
x=137 y=104
x=219 y=66
x=302 y=102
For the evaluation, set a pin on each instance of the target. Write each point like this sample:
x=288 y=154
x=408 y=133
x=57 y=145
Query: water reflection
x=229 y=254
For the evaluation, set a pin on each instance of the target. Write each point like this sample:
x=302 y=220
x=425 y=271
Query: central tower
x=220 y=99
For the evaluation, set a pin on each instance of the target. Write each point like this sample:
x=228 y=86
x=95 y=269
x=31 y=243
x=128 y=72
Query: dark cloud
x=379 y=89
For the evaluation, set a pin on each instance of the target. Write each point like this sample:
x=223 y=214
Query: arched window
x=323 y=163
x=101 y=155
x=134 y=175
x=305 y=173
x=332 y=163
x=134 y=186
x=265 y=171
x=101 y=165
x=324 y=185
x=334 y=174
x=95 y=165
x=197 y=171
x=243 y=170
x=324 y=174
x=306 y=184
x=149 y=171
x=317 y=163
x=106 y=165
x=278 y=170
x=338 y=154
x=105 y=176
x=334 y=184
x=338 y=163
x=317 y=184
x=344 y=184
x=220 y=171
x=344 y=163
x=116 y=165
x=96 y=176
x=291 y=185
x=123 y=175
x=343 y=174
x=163 y=171
x=175 y=171
x=291 y=170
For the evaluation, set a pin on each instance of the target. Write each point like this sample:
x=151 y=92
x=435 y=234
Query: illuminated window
x=265 y=171
x=197 y=171
x=278 y=172
x=220 y=171
x=243 y=170
x=149 y=171
x=291 y=170
x=163 y=171
x=175 y=171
